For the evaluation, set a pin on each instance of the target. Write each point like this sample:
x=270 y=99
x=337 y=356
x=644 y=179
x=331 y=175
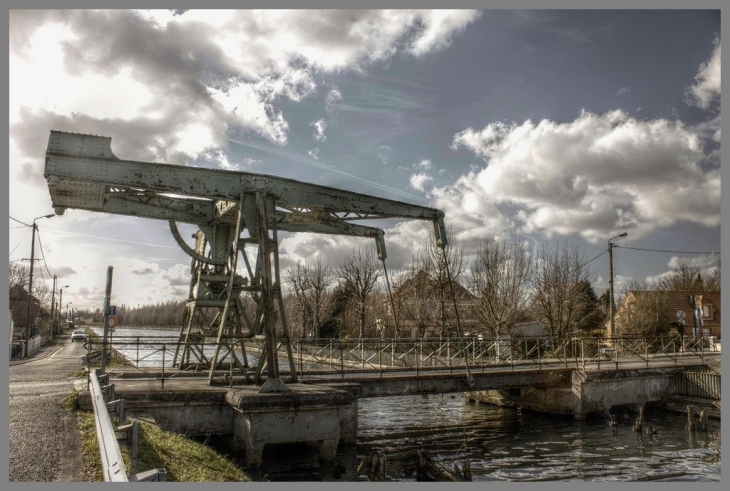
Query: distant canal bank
x=504 y=444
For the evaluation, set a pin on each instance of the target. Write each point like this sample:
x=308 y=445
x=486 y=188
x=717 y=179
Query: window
x=707 y=311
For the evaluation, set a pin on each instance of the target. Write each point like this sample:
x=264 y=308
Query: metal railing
x=112 y=462
x=340 y=358
x=695 y=383
x=382 y=357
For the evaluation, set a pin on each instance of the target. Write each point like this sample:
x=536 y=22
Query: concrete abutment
x=320 y=415
x=587 y=392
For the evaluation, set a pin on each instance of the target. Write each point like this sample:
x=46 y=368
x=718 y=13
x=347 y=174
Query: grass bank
x=185 y=460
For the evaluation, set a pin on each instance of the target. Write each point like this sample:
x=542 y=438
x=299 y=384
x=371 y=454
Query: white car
x=78 y=334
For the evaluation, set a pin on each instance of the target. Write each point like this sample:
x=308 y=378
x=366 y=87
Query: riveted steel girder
x=81 y=170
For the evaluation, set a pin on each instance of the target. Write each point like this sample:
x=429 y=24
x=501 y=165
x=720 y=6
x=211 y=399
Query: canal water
x=505 y=444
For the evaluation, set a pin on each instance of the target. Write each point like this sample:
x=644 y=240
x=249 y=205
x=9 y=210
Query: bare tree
x=296 y=276
x=558 y=285
x=642 y=311
x=18 y=274
x=434 y=261
x=318 y=278
x=683 y=278
x=417 y=294
x=712 y=282
x=501 y=276
x=360 y=272
x=395 y=309
x=310 y=283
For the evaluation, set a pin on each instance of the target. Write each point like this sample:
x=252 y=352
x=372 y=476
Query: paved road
x=44 y=442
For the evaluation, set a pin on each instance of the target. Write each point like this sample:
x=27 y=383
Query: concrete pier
x=307 y=413
x=324 y=415
x=589 y=391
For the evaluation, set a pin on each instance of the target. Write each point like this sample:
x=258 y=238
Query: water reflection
x=511 y=445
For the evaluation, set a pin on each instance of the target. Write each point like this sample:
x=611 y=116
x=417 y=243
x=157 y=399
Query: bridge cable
x=390 y=294
x=469 y=376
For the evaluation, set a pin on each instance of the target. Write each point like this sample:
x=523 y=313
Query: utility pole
x=30 y=281
x=59 y=310
x=610 y=281
x=53 y=307
x=107 y=308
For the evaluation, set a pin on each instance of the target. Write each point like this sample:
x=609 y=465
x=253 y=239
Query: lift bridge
x=232 y=210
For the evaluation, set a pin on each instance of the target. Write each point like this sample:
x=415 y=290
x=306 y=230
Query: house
x=19 y=309
x=420 y=301
x=530 y=329
x=708 y=302
x=677 y=311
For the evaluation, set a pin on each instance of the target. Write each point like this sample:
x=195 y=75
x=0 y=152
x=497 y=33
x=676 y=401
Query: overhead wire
x=587 y=262
x=19 y=221
x=662 y=250
x=21 y=240
x=42 y=254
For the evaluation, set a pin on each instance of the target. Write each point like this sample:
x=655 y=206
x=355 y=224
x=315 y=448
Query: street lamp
x=610 y=279
x=67 y=310
x=30 y=281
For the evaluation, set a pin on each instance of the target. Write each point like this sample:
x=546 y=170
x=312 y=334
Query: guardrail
x=112 y=463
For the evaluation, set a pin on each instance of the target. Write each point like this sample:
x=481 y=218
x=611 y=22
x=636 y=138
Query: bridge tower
x=234 y=212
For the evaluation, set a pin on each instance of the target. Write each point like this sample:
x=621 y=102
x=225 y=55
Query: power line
x=601 y=254
x=42 y=254
x=19 y=221
x=21 y=240
x=661 y=250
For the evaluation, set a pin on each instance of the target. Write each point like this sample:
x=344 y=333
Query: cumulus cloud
x=221 y=160
x=592 y=176
x=319 y=128
x=402 y=240
x=424 y=164
x=706 y=263
x=421 y=182
x=333 y=97
x=175 y=86
x=705 y=92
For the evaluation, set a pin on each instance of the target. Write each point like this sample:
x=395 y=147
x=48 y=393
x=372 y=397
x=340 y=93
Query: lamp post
x=30 y=281
x=610 y=279
x=69 y=303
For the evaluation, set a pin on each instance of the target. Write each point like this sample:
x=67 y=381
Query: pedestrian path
x=44 y=351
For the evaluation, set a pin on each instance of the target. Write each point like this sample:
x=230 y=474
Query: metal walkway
x=353 y=360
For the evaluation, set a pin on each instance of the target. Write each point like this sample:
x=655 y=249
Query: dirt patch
x=72 y=457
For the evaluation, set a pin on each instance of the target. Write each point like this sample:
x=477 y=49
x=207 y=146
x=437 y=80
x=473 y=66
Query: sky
x=552 y=127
